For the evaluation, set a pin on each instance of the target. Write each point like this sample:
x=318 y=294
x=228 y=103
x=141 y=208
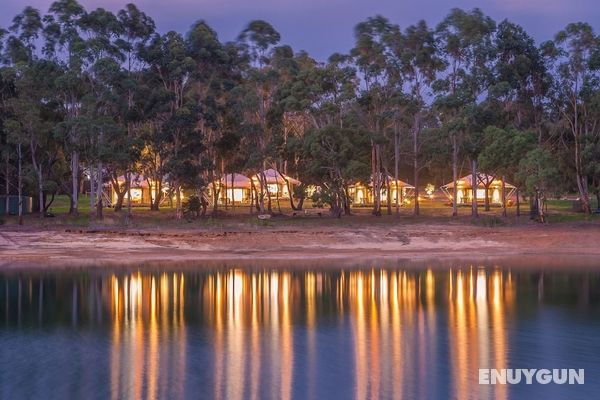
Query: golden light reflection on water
x=263 y=331
x=393 y=316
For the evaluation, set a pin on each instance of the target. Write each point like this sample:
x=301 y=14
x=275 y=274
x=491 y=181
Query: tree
x=502 y=154
x=333 y=158
x=381 y=83
x=466 y=45
x=576 y=57
x=170 y=71
x=419 y=66
x=539 y=176
x=62 y=34
x=258 y=44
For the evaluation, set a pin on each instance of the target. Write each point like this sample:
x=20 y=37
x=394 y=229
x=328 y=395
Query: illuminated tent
x=465 y=185
x=235 y=188
x=143 y=190
x=277 y=183
x=362 y=194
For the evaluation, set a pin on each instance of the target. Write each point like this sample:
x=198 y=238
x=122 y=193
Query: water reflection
x=245 y=333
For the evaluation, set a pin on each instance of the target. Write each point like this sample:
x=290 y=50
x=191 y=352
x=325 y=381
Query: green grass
x=430 y=212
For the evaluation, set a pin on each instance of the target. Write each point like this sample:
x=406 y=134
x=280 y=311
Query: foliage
x=88 y=97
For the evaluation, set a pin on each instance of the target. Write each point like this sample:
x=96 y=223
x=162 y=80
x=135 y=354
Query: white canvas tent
x=465 y=185
x=235 y=188
x=143 y=189
x=276 y=182
x=362 y=194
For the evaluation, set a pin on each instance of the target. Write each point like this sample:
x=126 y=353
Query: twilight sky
x=325 y=26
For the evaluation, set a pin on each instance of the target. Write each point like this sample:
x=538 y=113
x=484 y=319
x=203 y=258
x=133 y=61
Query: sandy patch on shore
x=415 y=242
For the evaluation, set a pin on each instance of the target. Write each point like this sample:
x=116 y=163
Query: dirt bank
x=415 y=242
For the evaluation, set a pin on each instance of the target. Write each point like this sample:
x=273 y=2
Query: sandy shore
x=78 y=247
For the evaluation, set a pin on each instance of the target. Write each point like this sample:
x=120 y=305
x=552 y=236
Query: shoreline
x=422 y=243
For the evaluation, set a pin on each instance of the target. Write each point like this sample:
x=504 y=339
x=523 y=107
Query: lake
x=295 y=332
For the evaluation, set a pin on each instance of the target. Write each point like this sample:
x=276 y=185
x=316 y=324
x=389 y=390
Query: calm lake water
x=258 y=333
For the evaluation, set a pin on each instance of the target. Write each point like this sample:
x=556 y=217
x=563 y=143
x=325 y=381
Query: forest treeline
x=93 y=95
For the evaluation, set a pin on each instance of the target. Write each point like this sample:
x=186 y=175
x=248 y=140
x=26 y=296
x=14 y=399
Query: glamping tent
x=465 y=185
x=362 y=195
x=276 y=183
x=235 y=188
x=143 y=190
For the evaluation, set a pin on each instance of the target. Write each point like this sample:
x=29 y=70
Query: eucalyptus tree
x=576 y=51
x=503 y=151
x=333 y=157
x=214 y=76
x=137 y=30
x=6 y=148
x=381 y=82
x=465 y=42
x=32 y=115
x=258 y=43
x=169 y=74
x=538 y=174
x=102 y=59
x=65 y=44
x=20 y=55
x=420 y=64
x=521 y=80
x=321 y=95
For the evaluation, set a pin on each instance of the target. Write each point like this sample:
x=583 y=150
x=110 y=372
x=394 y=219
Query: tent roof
x=393 y=183
x=275 y=177
x=239 y=181
x=137 y=180
x=482 y=180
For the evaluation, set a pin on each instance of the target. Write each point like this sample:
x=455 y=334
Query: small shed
x=13 y=205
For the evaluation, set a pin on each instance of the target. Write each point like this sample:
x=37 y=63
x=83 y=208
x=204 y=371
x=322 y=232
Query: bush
x=192 y=206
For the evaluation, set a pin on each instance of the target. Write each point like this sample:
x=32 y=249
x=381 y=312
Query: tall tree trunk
x=99 y=192
x=37 y=167
x=455 y=175
x=375 y=177
x=397 y=166
x=253 y=197
x=504 y=214
x=518 y=204
x=178 y=208
x=7 y=182
x=233 y=194
x=474 y=184
x=40 y=190
x=128 y=217
x=486 y=201
x=92 y=184
x=158 y=194
x=533 y=204
x=416 y=131
x=216 y=194
x=74 y=208
x=262 y=182
x=20 y=183
x=580 y=177
x=540 y=208
x=388 y=199
x=121 y=192
x=583 y=193
x=347 y=209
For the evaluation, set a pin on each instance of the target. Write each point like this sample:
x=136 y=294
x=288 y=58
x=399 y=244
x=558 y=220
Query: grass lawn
x=432 y=211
